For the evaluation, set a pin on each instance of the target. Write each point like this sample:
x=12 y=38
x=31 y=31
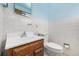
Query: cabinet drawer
x=25 y=50
x=39 y=52
x=38 y=44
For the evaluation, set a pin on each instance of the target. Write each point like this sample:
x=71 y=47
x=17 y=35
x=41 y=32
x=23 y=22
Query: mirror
x=23 y=9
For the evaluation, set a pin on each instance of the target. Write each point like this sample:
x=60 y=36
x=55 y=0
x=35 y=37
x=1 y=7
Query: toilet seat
x=54 y=47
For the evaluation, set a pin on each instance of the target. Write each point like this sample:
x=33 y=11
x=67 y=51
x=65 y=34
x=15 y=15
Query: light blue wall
x=40 y=10
x=63 y=10
x=53 y=11
x=11 y=6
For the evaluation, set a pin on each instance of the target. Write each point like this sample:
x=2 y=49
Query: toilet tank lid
x=55 y=46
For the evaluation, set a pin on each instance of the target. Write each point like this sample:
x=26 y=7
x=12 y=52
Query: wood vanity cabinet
x=35 y=48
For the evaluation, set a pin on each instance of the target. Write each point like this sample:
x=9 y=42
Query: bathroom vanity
x=35 y=48
x=30 y=45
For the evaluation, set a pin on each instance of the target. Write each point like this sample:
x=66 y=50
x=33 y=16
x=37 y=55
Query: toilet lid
x=54 y=46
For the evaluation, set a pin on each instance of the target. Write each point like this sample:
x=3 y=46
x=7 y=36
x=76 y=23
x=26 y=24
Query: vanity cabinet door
x=31 y=49
x=39 y=48
x=38 y=44
x=25 y=50
x=10 y=52
x=39 y=52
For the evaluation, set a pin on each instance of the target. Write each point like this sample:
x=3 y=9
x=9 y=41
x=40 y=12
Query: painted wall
x=64 y=26
x=12 y=22
x=1 y=26
x=40 y=17
x=16 y=23
x=63 y=10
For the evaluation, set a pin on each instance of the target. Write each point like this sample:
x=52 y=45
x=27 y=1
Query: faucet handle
x=23 y=34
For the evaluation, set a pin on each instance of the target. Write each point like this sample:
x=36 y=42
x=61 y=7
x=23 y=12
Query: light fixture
x=5 y=4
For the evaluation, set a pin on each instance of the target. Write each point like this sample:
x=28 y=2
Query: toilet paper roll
x=66 y=46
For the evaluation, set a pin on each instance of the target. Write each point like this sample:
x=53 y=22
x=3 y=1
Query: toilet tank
x=46 y=38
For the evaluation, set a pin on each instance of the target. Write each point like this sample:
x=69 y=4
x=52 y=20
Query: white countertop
x=12 y=42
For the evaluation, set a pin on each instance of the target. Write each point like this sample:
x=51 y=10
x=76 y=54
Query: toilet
x=52 y=49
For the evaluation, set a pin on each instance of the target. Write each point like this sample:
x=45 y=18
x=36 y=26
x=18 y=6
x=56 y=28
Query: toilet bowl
x=53 y=48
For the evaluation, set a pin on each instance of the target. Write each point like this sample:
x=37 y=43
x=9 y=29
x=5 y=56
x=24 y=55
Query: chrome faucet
x=23 y=34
